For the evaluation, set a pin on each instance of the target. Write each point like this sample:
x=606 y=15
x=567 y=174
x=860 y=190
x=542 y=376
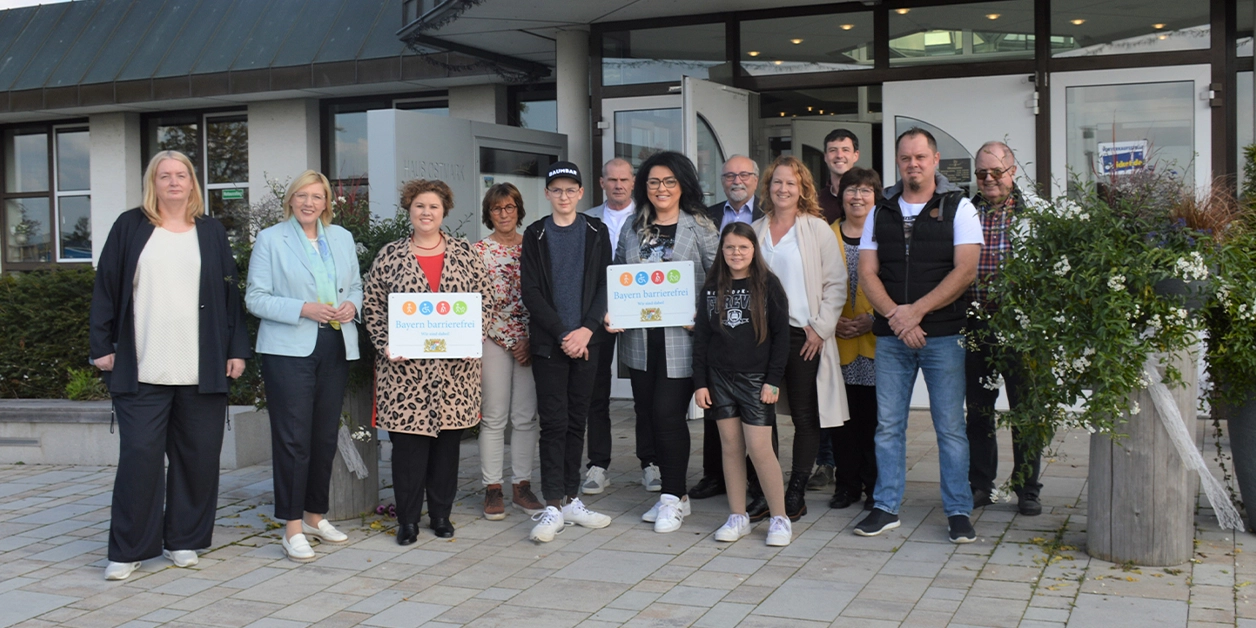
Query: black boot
x=795 y=496
x=757 y=507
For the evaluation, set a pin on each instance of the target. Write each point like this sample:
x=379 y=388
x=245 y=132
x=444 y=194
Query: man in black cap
x=563 y=280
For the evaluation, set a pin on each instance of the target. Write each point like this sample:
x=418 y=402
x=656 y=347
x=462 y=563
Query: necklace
x=427 y=248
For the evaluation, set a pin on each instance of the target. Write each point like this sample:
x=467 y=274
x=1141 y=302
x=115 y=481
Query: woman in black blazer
x=168 y=330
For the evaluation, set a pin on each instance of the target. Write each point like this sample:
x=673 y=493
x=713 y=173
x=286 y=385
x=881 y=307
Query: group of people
x=803 y=303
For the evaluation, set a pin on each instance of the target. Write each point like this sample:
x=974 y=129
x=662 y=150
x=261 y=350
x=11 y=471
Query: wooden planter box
x=350 y=496
x=1141 y=496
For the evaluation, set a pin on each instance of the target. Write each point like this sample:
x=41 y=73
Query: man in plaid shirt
x=998 y=202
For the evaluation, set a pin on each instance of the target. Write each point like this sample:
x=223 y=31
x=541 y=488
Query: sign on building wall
x=1122 y=157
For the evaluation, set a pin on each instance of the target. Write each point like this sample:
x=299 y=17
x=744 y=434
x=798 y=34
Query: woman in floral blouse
x=509 y=393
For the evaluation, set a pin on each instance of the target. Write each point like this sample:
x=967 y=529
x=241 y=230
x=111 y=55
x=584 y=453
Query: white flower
x=1116 y=282
x=993 y=382
x=1134 y=409
x=1062 y=267
x=340 y=199
x=1083 y=216
x=1192 y=269
x=1059 y=319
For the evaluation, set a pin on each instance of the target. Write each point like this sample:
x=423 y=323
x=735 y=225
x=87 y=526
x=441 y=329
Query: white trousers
x=509 y=396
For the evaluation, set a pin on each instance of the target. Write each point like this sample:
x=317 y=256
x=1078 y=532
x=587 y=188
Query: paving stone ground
x=1022 y=571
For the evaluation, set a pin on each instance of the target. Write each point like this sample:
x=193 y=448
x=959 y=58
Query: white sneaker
x=652 y=514
x=181 y=558
x=780 y=533
x=736 y=527
x=594 y=481
x=576 y=513
x=652 y=478
x=298 y=548
x=120 y=571
x=550 y=522
x=324 y=532
x=670 y=514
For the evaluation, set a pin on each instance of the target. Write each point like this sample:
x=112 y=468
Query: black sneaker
x=961 y=529
x=981 y=498
x=707 y=487
x=876 y=523
x=1029 y=505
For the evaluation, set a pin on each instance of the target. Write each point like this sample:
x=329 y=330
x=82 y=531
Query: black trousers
x=983 y=448
x=804 y=402
x=304 y=397
x=600 y=408
x=563 y=389
x=424 y=464
x=662 y=402
x=854 y=447
x=156 y=506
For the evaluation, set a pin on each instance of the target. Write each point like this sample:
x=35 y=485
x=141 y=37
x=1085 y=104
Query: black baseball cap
x=563 y=170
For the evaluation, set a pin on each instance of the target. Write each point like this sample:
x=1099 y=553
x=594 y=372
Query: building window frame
x=201 y=159
x=52 y=194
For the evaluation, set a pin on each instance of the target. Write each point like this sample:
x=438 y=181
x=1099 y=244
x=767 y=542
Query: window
x=664 y=55
x=217 y=143
x=813 y=43
x=1108 y=28
x=345 y=130
x=988 y=31
x=47 y=196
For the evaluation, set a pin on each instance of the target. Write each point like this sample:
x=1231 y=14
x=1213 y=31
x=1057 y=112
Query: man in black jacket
x=563 y=280
x=916 y=258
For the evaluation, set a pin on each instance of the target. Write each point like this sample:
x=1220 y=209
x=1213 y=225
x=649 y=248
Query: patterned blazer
x=423 y=396
x=696 y=241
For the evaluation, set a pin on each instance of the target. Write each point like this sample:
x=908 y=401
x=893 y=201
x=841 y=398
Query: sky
x=9 y=4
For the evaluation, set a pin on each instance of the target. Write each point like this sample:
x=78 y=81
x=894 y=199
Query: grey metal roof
x=102 y=52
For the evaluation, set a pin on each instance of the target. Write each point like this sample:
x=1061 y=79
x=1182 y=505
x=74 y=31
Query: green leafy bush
x=43 y=330
x=86 y=385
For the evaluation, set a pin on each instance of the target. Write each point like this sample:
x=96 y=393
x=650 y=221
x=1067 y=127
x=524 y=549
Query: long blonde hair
x=302 y=180
x=196 y=204
x=808 y=201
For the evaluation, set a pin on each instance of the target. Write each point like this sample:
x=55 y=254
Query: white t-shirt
x=615 y=219
x=965 y=230
x=785 y=260
x=167 y=296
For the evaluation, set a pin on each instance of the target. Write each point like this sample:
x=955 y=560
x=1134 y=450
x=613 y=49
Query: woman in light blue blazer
x=305 y=286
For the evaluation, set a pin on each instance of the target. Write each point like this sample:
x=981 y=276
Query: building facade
x=256 y=91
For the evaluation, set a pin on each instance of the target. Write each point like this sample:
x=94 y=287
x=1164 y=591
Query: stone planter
x=350 y=496
x=1241 y=425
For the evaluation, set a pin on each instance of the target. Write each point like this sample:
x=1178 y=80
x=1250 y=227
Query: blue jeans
x=942 y=361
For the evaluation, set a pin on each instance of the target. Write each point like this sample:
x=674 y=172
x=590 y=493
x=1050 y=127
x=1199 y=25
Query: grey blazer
x=696 y=241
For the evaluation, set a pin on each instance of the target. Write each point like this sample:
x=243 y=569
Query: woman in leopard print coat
x=424 y=403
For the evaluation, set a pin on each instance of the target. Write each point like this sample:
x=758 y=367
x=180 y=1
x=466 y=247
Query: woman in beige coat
x=801 y=249
x=424 y=403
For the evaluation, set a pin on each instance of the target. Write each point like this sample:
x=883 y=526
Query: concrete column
x=283 y=143
x=117 y=171
x=479 y=103
x=572 y=85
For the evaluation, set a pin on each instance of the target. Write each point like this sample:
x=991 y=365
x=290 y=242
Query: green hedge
x=43 y=330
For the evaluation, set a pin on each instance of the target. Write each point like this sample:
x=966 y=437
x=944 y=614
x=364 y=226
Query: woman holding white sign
x=670 y=225
x=802 y=250
x=424 y=403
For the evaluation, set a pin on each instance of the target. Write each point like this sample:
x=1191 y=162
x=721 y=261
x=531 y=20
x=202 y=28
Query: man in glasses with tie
x=998 y=202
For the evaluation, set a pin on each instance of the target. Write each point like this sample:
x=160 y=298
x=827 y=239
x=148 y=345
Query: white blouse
x=785 y=260
x=167 y=295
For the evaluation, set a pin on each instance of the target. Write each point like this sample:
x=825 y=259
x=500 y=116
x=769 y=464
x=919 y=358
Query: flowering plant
x=1096 y=283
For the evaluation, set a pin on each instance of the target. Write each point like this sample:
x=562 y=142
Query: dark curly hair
x=502 y=192
x=690 y=190
x=415 y=187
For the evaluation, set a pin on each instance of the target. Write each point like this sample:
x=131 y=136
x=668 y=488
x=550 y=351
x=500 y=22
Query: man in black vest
x=915 y=261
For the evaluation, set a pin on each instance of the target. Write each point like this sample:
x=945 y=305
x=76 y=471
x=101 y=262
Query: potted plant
x=1100 y=300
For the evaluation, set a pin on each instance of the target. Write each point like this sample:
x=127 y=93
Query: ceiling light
x=902 y=11
x=1162 y=37
x=778 y=62
x=795 y=41
x=847 y=27
x=1077 y=22
x=1157 y=26
x=753 y=53
x=782 y=114
x=992 y=16
x=808 y=107
x=821 y=112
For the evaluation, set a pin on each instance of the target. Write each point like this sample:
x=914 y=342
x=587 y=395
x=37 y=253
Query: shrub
x=43 y=330
x=85 y=385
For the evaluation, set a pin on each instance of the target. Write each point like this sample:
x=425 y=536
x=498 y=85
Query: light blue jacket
x=281 y=280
